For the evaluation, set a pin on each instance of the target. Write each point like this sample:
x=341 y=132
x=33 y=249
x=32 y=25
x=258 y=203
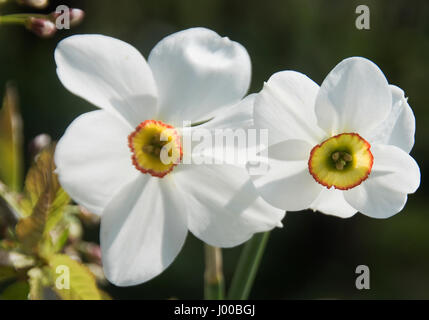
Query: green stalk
x=12 y=20
x=213 y=277
x=20 y=18
x=247 y=267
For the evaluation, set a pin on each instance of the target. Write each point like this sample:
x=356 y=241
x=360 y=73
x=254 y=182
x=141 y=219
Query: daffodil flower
x=339 y=148
x=109 y=160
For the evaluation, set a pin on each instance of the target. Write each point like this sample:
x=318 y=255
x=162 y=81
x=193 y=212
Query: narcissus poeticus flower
x=110 y=160
x=339 y=148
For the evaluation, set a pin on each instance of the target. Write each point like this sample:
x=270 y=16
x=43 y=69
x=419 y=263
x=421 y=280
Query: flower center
x=343 y=161
x=156 y=148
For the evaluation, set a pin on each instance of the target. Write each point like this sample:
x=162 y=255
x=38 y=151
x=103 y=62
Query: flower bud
x=38 y=4
x=72 y=253
x=75 y=15
x=91 y=252
x=41 y=27
x=88 y=218
x=39 y=143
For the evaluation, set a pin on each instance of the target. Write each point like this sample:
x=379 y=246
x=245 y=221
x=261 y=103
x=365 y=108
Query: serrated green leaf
x=16 y=291
x=82 y=284
x=30 y=230
x=55 y=215
x=40 y=178
x=47 y=200
x=11 y=200
x=11 y=166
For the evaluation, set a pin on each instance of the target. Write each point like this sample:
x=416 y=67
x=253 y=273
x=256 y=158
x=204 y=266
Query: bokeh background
x=314 y=256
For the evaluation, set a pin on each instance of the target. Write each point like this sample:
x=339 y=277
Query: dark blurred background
x=314 y=256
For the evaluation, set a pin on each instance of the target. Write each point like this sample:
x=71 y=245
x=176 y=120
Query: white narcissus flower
x=339 y=148
x=109 y=160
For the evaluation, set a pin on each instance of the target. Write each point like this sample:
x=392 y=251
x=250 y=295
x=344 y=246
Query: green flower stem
x=20 y=18
x=12 y=20
x=213 y=277
x=247 y=267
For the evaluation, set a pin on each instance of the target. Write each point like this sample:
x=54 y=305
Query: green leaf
x=82 y=284
x=11 y=165
x=16 y=291
x=40 y=179
x=11 y=200
x=30 y=230
x=61 y=241
x=47 y=200
x=55 y=215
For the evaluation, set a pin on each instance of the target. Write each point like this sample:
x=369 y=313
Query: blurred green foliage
x=31 y=250
x=313 y=256
x=11 y=140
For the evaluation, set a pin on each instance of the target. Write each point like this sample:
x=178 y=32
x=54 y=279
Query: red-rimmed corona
x=343 y=161
x=156 y=148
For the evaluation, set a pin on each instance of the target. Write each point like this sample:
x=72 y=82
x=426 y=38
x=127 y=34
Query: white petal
x=354 y=97
x=290 y=150
x=109 y=73
x=288 y=184
x=228 y=134
x=93 y=159
x=233 y=117
x=399 y=127
x=223 y=206
x=395 y=168
x=142 y=231
x=393 y=176
x=332 y=202
x=285 y=106
x=197 y=72
x=376 y=200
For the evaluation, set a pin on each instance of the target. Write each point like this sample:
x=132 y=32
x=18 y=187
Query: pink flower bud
x=41 y=27
x=91 y=251
x=75 y=15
